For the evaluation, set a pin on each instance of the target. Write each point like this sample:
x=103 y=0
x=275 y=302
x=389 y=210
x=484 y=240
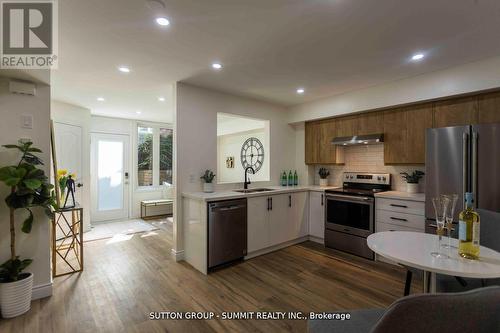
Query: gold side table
x=67 y=241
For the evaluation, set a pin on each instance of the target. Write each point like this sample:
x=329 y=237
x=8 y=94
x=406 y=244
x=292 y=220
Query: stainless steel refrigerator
x=466 y=159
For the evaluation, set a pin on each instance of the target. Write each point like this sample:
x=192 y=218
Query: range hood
x=358 y=140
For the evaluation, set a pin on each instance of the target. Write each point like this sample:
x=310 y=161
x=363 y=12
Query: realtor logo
x=29 y=34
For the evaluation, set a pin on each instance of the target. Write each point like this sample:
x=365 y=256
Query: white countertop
x=231 y=194
x=401 y=195
x=414 y=249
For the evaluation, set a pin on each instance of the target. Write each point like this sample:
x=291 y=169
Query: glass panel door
x=109 y=177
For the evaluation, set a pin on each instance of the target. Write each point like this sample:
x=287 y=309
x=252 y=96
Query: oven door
x=350 y=214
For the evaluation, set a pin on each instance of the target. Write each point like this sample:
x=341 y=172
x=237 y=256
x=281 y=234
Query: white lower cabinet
x=317 y=214
x=276 y=219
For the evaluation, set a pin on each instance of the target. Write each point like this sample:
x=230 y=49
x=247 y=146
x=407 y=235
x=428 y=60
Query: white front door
x=68 y=140
x=110 y=177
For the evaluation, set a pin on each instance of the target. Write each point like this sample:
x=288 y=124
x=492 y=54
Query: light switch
x=27 y=121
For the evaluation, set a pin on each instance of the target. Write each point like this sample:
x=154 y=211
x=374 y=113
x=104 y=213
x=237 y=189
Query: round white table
x=413 y=249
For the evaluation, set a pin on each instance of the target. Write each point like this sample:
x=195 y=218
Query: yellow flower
x=73 y=175
x=62 y=172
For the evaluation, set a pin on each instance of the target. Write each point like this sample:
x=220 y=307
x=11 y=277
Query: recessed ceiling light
x=138 y=111
x=301 y=91
x=100 y=99
x=216 y=65
x=163 y=21
x=124 y=69
x=161 y=99
x=417 y=57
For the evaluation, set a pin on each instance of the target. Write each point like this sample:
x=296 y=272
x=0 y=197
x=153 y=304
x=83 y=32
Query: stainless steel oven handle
x=349 y=198
x=465 y=170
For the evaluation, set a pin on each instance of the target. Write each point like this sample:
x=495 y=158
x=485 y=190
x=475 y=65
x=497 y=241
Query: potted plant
x=29 y=188
x=208 y=177
x=412 y=180
x=323 y=176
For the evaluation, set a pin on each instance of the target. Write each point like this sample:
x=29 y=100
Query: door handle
x=268 y=204
x=398 y=219
x=289 y=201
x=322 y=200
x=271 y=199
x=474 y=168
x=465 y=171
x=79 y=185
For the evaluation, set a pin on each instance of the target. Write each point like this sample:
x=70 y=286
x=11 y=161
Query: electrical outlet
x=191 y=178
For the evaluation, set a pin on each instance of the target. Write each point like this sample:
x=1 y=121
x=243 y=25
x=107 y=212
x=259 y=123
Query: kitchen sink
x=254 y=190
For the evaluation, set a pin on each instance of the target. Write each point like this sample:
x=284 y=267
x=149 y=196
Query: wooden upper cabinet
x=489 y=108
x=327 y=152
x=418 y=120
x=395 y=137
x=346 y=126
x=456 y=112
x=370 y=123
x=404 y=134
x=312 y=139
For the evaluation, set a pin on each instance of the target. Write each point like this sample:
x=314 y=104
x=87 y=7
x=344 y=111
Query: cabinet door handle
x=268 y=204
x=322 y=200
x=289 y=201
x=271 y=203
x=399 y=206
x=398 y=219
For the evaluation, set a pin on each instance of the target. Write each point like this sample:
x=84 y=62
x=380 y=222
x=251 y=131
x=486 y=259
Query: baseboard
x=177 y=255
x=41 y=291
x=276 y=247
x=317 y=239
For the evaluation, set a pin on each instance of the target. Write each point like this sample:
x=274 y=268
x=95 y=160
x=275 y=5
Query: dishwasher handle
x=226 y=208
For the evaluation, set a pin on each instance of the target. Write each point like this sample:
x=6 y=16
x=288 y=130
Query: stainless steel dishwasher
x=227 y=231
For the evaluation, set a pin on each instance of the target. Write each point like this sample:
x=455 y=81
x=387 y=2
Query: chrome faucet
x=247 y=180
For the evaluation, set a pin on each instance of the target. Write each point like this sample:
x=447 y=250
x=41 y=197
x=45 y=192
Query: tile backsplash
x=369 y=158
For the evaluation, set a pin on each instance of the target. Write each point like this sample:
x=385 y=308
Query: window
x=165 y=156
x=154 y=155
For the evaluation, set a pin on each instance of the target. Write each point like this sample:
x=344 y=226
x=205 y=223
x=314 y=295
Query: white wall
x=195 y=139
x=477 y=76
x=230 y=145
x=77 y=116
x=35 y=245
x=129 y=127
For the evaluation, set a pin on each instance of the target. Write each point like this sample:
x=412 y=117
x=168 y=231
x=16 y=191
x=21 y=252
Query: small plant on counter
x=208 y=176
x=414 y=177
x=323 y=173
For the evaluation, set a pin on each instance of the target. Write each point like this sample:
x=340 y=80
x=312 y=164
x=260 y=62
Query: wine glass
x=440 y=207
x=450 y=213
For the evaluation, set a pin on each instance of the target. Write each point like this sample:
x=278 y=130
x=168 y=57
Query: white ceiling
x=268 y=48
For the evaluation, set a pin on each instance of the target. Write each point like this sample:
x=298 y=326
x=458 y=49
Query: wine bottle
x=283 y=179
x=295 y=179
x=468 y=230
x=290 y=178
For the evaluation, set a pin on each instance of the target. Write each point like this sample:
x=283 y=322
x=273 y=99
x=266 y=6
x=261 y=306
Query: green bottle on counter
x=295 y=178
x=290 y=178
x=283 y=179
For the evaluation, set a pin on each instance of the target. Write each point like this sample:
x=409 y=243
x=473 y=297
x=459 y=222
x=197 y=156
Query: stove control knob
x=379 y=178
x=383 y=178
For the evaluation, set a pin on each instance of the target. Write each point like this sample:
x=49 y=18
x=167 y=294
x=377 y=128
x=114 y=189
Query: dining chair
x=471 y=311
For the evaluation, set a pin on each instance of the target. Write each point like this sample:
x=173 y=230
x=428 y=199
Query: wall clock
x=252 y=154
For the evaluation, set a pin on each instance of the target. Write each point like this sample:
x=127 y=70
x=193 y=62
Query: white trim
x=177 y=255
x=41 y=291
x=316 y=239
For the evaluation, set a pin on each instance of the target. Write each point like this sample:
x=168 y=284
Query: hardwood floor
x=124 y=281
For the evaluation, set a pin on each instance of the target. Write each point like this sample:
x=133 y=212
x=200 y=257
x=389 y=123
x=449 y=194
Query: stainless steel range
x=350 y=212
